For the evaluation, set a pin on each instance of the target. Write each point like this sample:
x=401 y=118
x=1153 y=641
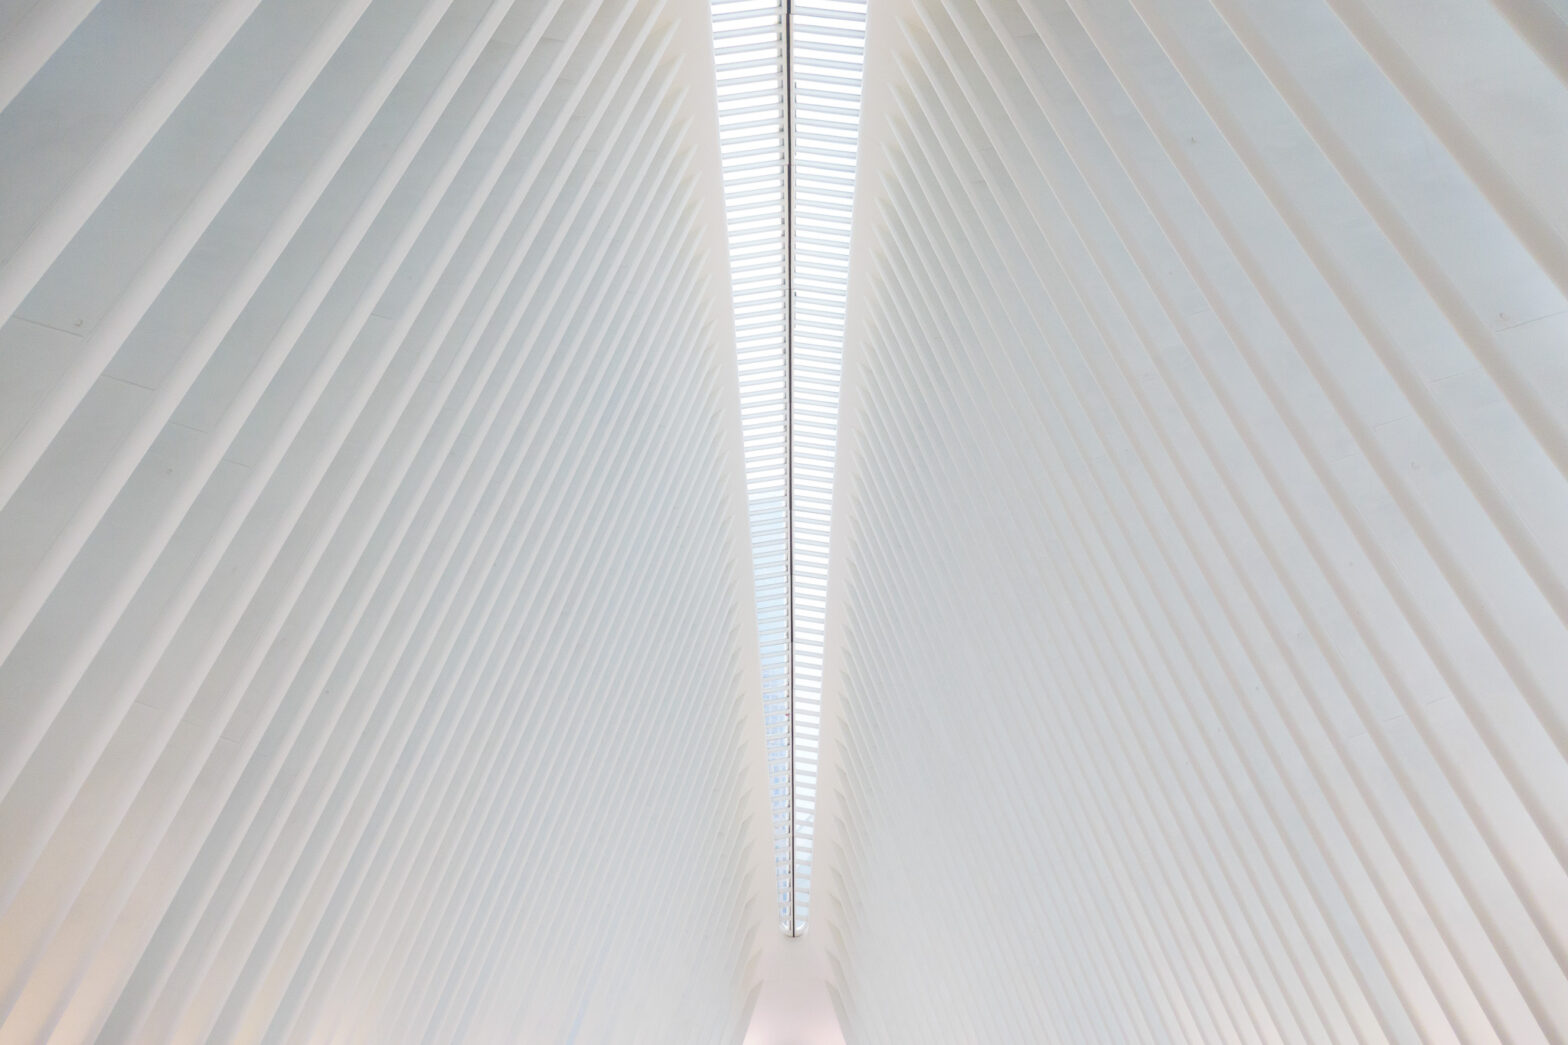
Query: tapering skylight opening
x=789 y=176
x=748 y=40
x=827 y=40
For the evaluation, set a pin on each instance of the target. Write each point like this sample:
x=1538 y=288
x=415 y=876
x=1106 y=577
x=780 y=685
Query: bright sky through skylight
x=827 y=50
x=748 y=39
x=789 y=275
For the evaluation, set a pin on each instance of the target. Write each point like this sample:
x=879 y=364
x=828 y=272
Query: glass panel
x=789 y=272
x=748 y=39
x=827 y=42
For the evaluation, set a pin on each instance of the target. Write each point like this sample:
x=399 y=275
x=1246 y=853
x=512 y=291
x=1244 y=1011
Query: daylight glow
x=827 y=51
x=748 y=40
x=789 y=339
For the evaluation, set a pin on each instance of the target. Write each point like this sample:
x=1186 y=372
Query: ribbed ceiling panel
x=376 y=646
x=1196 y=641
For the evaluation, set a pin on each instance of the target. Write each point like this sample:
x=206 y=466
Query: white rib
x=1197 y=625
x=378 y=654
x=373 y=511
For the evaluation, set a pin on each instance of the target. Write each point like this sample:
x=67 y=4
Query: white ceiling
x=378 y=660
x=1197 y=635
x=378 y=653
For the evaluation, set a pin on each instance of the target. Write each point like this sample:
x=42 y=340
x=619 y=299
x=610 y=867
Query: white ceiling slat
x=1163 y=639
x=381 y=524
x=1191 y=607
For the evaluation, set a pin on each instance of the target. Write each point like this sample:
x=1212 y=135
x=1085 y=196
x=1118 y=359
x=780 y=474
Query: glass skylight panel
x=789 y=178
x=827 y=51
x=748 y=47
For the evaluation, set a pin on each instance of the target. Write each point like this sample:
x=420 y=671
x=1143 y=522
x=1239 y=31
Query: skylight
x=827 y=50
x=789 y=175
x=748 y=42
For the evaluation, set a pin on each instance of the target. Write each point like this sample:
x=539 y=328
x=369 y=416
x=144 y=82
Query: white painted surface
x=793 y=1012
x=794 y=1004
x=1198 y=640
x=375 y=645
x=377 y=653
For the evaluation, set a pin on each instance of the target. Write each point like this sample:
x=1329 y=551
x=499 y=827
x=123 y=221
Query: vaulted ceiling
x=379 y=602
x=1199 y=590
x=377 y=630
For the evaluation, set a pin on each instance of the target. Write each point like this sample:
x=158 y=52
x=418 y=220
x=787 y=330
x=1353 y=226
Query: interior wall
x=376 y=656
x=1199 y=623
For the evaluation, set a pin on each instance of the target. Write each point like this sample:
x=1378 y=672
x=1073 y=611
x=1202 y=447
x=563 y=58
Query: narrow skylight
x=827 y=43
x=789 y=175
x=748 y=44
